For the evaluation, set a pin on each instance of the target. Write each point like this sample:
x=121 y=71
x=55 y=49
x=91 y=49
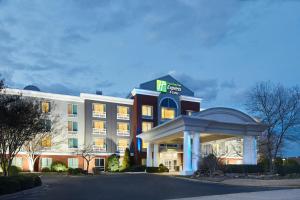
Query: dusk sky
x=217 y=48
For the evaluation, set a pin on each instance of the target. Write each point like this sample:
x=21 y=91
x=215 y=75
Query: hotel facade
x=160 y=122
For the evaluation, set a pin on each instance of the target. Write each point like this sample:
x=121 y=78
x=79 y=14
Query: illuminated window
x=46 y=141
x=167 y=113
x=73 y=143
x=99 y=127
x=99 y=110
x=72 y=110
x=123 y=112
x=46 y=162
x=123 y=129
x=72 y=126
x=99 y=144
x=45 y=107
x=146 y=126
x=73 y=163
x=122 y=145
x=144 y=145
x=189 y=112
x=147 y=111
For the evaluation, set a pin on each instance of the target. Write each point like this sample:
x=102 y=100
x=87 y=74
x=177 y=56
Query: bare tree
x=87 y=153
x=279 y=108
x=21 y=120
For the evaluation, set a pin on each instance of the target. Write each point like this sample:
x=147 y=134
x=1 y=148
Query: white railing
x=123 y=116
x=99 y=131
x=99 y=114
x=121 y=149
x=123 y=132
x=99 y=149
x=72 y=114
x=72 y=132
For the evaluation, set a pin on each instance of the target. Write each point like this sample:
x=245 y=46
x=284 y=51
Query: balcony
x=98 y=131
x=72 y=114
x=123 y=116
x=121 y=149
x=123 y=132
x=99 y=148
x=72 y=132
x=99 y=114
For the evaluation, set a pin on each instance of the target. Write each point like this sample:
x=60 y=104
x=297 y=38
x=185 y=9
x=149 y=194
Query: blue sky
x=217 y=48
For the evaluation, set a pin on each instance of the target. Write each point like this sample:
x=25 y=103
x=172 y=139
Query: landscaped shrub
x=210 y=164
x=152 y=169
x=46 y=169
x=75 y=171
x=136 y=168
x=58 y=166
x=243 y=169
x=12 y=184
x=126 y=160
x=113 y=163
x=162 y=168
x=14 y=170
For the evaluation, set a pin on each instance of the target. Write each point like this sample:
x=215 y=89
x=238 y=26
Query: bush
x=210 y=164
x=152 y=169
x=113 y=163
x=58 y=166
x=162 y=168
x=14 y=170
x=126 y=160
x=136 y=168
x=75 y=171
x=12 y=184
x=243 y=169
x=46 y=169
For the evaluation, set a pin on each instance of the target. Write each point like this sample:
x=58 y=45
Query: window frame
x=73 y=139
x=72 y=165
x=97 y=131
x=147 y=116
x=121 y=150
x=72 y=131
x=122 y=116
x=49 y=107
x=97 y=148
x=99 y=114
x=121 y=132
x=169 y=108
x=72 y=114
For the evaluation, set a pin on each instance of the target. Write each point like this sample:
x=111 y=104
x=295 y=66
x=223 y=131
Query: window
x=100 y=163
x=72 y=127
x=73 y=162
x=46 y=162
x=46 y=141
x=122 y=145
x=48 y=125
x=123 y=129
x=146 y=126
x=189 y=112
x=45 y=107
x=99 y=127
x=167 y=113
x=73 y=143
x=99 y=110
x=144 y=145
x=123 y=112
x=72 y=110
x=18 y=162
x=99 y=144
x=147 y=111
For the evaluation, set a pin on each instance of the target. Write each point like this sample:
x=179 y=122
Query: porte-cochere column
x=187 y=154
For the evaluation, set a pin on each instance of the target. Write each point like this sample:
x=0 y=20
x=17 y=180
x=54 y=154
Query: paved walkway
x=291 y=194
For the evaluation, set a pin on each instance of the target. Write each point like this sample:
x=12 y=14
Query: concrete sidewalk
x=291 y=194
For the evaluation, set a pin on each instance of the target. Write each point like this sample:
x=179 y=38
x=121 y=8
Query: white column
x=156 y=155
x=249 y=150
x=149 y=155
x=196 y=152
x=187 y=154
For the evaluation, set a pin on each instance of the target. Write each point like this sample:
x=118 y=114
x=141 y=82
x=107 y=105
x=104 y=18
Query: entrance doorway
x=171 y=165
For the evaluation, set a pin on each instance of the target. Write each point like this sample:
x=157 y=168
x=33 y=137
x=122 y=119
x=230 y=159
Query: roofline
x=106 y=98
x=136 y=91
x=191 y=99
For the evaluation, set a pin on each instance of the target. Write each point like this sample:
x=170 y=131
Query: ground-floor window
x=46 y=162
x=18 y=162
x=99 y=163
x=73 y=162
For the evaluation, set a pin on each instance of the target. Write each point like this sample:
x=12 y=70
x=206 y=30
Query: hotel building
x=160 y=122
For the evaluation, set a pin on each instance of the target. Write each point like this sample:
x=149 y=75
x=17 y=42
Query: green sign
x=166 y=87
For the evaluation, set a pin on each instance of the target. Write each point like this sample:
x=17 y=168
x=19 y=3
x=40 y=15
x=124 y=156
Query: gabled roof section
x=151 y=85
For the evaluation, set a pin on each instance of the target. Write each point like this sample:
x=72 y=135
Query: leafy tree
x=126 y=160
x=21 y=119
x=113 y=163
x=279 y=108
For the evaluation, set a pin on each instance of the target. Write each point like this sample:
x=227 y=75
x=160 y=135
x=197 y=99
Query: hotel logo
x=161 y=86
x=165 y=87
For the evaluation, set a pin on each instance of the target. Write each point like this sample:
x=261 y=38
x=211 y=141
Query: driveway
x=125 y=186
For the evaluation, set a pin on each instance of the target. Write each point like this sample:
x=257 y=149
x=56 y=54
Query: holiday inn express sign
x=166 y=87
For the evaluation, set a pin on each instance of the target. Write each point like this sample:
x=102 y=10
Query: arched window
x=168 y=109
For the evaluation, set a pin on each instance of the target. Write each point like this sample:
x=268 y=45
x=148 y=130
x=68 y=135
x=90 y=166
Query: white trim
x=106 y=98
x=37 y=94
x=136 y=91
x=192 y=99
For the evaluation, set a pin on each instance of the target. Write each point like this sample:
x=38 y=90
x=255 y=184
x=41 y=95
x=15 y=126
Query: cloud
x=104 y=84
x=228 y=84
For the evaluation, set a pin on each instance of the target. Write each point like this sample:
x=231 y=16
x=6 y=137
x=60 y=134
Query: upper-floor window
x=146 y=126
x=168 y=109
x=123 y=112
x=72 y=110
x=99 y=144
x=73 y=143
x=46 y=141
x=99 y=127
x=72 y=127
x=45 y=106
x=99 y=110
x=123 y=129
x=122 y=145
x=48 y=125
x=147 y=111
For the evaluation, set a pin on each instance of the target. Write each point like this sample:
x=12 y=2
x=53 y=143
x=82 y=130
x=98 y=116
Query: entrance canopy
x=211 y=123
